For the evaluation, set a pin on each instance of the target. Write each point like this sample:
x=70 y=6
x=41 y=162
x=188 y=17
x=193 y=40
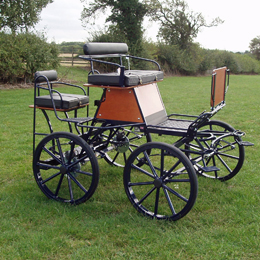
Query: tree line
x=23 y=52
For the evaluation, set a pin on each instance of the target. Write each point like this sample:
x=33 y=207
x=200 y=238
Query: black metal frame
x=184 y=128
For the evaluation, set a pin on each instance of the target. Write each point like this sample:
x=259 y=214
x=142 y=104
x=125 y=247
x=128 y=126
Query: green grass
x=223 y=224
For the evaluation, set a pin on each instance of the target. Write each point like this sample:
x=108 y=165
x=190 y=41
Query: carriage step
x=245 y=143
x=78 y=120
x=210 y=169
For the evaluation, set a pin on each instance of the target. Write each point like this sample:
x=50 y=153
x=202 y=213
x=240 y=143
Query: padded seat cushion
x=132 y=78
x=68 y=101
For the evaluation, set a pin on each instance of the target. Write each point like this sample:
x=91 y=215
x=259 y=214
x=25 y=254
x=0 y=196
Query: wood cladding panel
x=218 y=88
x=120 y=105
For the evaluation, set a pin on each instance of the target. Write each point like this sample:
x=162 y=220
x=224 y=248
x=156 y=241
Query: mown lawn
x=223 y=224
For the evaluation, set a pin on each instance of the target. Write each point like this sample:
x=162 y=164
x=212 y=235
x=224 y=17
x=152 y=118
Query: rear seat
x=62 y=101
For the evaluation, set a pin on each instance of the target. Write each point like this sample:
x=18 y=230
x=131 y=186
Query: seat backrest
x=51 y=75
x=103 y=48
x=218 y=87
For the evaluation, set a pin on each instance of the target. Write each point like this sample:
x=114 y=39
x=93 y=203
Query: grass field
x=223 y=224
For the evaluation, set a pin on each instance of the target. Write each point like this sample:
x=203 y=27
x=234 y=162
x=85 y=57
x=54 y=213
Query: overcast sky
x=61 y=22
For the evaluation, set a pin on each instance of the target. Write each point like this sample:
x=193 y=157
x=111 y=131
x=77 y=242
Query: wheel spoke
x=162 y=163
x=156 y=201
x=224 y=163
x=71 y=153
x=194 y=147
x=45 y=166
x=130 y=184
x=59 y=185
x=146 y=195
x=171 y=169
x=175 y=193
x=178 y=180
x=169 y=201
x=130 y=149
x=77 y=182
x=51 y=177
x=84 y=173
x=60 y=151
x=150 y=164
x=142 y=170
x=70 y=190
x=52 y=155
x=79 y=161
x=133 y=138
x=115 y=157
x=229 y=156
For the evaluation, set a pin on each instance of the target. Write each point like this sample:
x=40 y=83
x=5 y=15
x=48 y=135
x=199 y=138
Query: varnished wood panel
x=218 y=86
x=120 y=105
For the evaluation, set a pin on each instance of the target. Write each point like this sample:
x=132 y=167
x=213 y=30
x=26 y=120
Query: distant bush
x=237 y=63
x=69 y=47
x=248 y=64
x=197 y=60
x=21 y=55
x=186 y=62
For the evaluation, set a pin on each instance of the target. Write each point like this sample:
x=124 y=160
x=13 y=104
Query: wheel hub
x=63 y=169
x=158 y=183
x=121 y=142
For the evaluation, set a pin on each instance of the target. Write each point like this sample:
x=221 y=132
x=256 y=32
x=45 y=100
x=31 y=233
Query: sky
x=60 y=21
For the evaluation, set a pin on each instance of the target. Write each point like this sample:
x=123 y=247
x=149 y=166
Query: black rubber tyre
x=65 y=168
x=160 y=181
x=226 y=154
x=136 y=138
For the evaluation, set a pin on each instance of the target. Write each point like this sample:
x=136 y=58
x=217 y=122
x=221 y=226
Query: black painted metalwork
x=205 y=147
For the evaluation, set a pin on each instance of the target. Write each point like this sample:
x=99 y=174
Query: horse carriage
x=160 y=179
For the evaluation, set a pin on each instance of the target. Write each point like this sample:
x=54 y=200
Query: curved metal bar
x=149 y=60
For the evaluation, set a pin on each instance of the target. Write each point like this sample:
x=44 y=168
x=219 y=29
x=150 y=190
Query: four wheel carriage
x=159 y=179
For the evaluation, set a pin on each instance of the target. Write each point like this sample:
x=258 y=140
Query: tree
x=125 y=16
x=20 y=14
x=179 y=26
x=255 y=47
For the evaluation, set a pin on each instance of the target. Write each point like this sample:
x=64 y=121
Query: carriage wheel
x=135 y=138
x=160 y=181
x=226 y=155
x=65 y=168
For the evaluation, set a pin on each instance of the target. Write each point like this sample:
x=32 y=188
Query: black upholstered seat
x=63 y=101
x=44 y=81
x=131 y=78
x=96 y=51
